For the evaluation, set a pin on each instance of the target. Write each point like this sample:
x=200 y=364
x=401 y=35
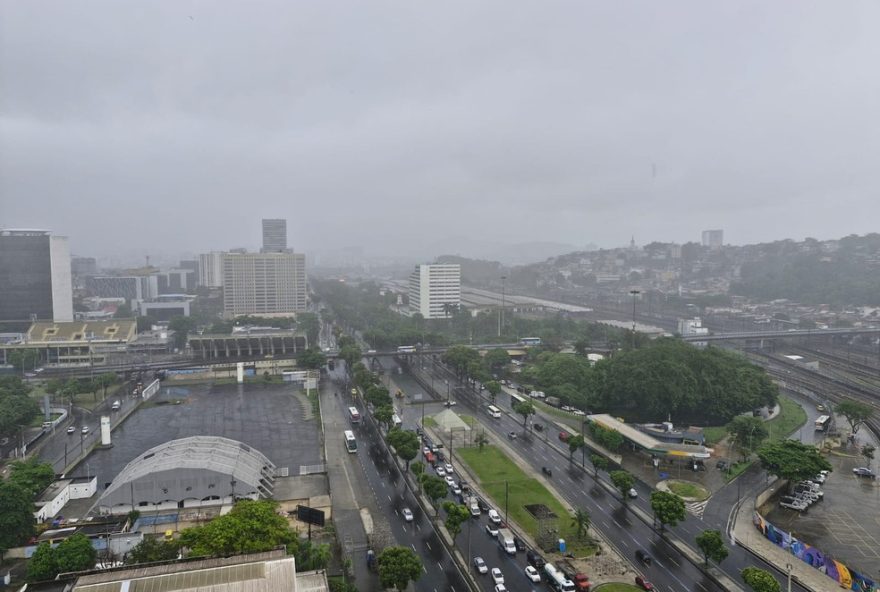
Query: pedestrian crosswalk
x=696 y=508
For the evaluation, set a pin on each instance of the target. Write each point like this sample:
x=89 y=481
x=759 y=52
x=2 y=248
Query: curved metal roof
x=211 y=453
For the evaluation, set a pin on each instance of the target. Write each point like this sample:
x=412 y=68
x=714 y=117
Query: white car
x=71 y=430
x=448 y=468
x=407 y=515
x=492 y=530
x=500 y=588
x=497 y=576
x=533 y=574
x=456 y=490
x=633 y=493
x=450 y=481
x=425 y=451
x=441 y=472
x=85 y=429
x=494 y=517
x=480 y=565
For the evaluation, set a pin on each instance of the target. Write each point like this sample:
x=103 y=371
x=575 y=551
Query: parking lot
x=846 y=523
x=272 y=418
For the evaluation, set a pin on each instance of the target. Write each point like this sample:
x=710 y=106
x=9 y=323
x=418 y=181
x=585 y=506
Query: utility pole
x=634 y=293
x=501 y=312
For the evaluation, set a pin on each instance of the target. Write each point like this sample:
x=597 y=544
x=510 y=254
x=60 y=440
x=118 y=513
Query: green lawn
x=791 y=417
x=468 y=419
x=615 y=587
x=568 y=419
x=429 y=422
x=687 y=489
x=499 y=476
x=714 y=434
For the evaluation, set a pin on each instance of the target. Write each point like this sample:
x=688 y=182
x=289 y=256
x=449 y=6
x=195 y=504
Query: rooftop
x=82 y=331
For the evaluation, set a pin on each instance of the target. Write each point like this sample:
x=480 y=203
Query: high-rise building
x=211 y=269
x=134 y=288
x=713 y=239
x=264 y=283
x=435 y=290
x=35 y=276
x=274 y=235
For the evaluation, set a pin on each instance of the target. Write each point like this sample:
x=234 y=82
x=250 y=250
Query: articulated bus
x=354 y=415
x=530 y=341
x=494 y=411
x=822 y=423
x=406 y=349
x=350 y=443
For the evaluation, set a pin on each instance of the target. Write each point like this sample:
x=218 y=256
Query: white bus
x=530 y=341
x=514 y=398
x=822 y=423
x=406 y=349
x=354 y=415
x=494 y=411
x=350 y=443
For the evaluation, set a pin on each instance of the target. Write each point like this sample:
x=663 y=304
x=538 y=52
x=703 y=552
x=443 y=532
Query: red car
x=643 y=583
x=564 y=436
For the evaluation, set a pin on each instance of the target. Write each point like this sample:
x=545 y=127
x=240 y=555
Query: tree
x=581 y=346
x=496 y=359
x=760 y=580
x=789 y=459
x=378 y=396
x=494 y=388
x=398 y=566
x=749 y=432
x=418 y=469
x=481 y=440
x=43 y=565
x=75 y=553
x=24 y=359
x=384 y=414
x=53 y=385
x=311 y=358
x=250 y=527
x=668 y=508
x=311 y=556
x=405 y=444
x=460 y=357
x=607 y=438
x=16 y=515
x=712 y=546
x=856 y=413
x=456 y=515
x=182 y=326
x=106 y=379
x=350 y=354
x=574 y=443
x=600 y=463
x=152 y=549
x=524 y=408
x=32 y=475
x=623 y=481
x=581 y=520
x=868 y=453
x=434 y=487
x=16 y=408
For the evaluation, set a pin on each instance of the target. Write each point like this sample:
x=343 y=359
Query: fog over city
x=146 y=127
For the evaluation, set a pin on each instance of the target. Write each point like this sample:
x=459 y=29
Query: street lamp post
x=501 y=312
x=634 y=294
x=788 y=568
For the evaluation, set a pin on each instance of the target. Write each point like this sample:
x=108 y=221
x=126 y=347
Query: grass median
x=501 y=478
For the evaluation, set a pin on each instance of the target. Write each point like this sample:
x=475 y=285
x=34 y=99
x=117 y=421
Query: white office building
x=714 y=239
x=435 y=290
x=211 y=269
x=264 y=283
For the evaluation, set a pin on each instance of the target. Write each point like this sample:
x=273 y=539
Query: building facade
x=713 y=239
x=274 y=235
x=211 y=269
x=35 y=276
x=133 y=288
x=435 y=290
x=264 y=283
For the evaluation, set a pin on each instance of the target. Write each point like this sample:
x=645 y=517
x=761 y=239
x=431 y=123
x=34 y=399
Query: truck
x=473 y=505
x=552 y=401
x=505 y=539
x=557 y=579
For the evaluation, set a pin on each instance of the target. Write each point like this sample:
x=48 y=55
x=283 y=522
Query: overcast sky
x=142 y=126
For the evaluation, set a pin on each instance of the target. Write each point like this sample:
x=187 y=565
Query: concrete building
x=176 y=281
x=713 y=239
x=83 y=266
x=264 y=283
x=211 y=269
x=56 y=496
x=35 y=276
x=166 y=307
x=434 y=290
x=274 y=235
x=133 y=288
x=76 y=343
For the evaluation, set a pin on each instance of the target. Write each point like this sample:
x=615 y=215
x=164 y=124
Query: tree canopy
x=311 y=358
x=398 y=566
x=456 y=515
x=792 y=460
x=711 y=544
x=74 y=553
x=16 y=515
x=32 y=475
x=250 y=527
x=855 y=412
x=749 y=432
x=152 y=549
x=623 y=481
x=760 y=580
x=668 y=508
x=16 y=408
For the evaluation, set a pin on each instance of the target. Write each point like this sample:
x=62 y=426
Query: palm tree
x=482 y=440
x=581 y=520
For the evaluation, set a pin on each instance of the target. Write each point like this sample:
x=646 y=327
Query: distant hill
x=507 y=254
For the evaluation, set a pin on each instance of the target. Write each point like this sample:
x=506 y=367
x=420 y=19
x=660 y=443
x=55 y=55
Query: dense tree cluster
x=16 y=408
x=74 y=553
x=792 y=460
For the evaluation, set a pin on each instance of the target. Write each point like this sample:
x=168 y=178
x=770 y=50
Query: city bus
x=516 y=399
x=406 y=349
x=354 y=415
x=822 y=423
x=350 y=443
x=530 y=341
x=494 y=411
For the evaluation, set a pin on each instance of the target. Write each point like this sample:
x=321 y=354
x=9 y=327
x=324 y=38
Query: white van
x=116 y=405
x=396 y=421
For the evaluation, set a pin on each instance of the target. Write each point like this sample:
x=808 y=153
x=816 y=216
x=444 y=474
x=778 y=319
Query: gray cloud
x=177 y=125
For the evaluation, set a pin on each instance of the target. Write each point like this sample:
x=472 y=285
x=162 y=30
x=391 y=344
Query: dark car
x=484 y=507
x=643 y=557
x=721 y=465
x=519 y=544
x=538 y=426
x=535 y=559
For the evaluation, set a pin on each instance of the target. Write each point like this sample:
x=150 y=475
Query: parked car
x=864 y=472
x=500 y=588
x=450 y=481
x=484 y=507
x=722 y=465
x=519 y=544
x=533 y=574
x=480 y=565
x=494 y=517
x=534 y=558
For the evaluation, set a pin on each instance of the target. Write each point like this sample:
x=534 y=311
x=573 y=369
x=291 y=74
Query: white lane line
x=427 y=544
x=414 y=548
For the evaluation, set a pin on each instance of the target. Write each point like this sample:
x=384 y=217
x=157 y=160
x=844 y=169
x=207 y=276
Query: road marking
x=623 y=542
x=440 y=566
x=414 y=548
x=423 y=569
x=427 y=544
